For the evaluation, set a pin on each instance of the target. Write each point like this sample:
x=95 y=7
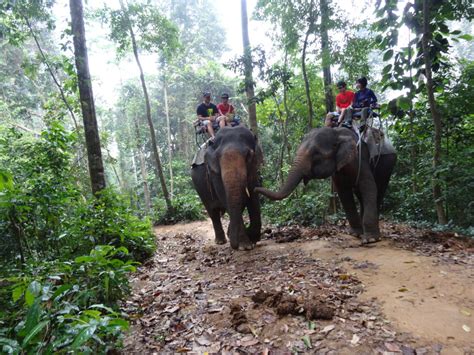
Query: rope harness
x=359 y=143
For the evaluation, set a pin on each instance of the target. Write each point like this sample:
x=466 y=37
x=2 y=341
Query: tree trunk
x=156 y=155
x=326 y=61
x=94 y=154
x=249 y=84
x=436 y=116
x=168 y=131
x=146 y=190
x=303 y=68
x=413 y=154
x=306 y=83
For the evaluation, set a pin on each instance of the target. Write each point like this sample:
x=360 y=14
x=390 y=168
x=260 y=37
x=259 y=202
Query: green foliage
x=409 y=196
x=306 y=209
x=75 y=254
x=65 y=306
x=153 y=31
x=186 y=207
x=109 y=221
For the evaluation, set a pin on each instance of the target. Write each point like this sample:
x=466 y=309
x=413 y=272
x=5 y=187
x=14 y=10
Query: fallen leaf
x=403 y=289
x=327 y=329
x=215 y=310
x=183 y=350
x=466 y=328
x=393 y=347
x=171 y=309
x=307 y=341
x=355 y=339
x=203 y=341
x=466 y=312
x=250 y=342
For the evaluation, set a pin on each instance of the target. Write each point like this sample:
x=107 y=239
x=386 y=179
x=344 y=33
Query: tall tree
x=146 y=190
x=435 y=114
x=168 y=128
x=309 y=31
x=429 y=22
x=155 y=34
x=249 y=83
x=325 y=55
x=94 y=154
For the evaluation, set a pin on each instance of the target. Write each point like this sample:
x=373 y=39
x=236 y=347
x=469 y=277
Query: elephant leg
x=361 y=204
x=254 y=229
x=347 y=200
x=368 y=190
x=215 y=215
x=239 y=239
x=382 y=172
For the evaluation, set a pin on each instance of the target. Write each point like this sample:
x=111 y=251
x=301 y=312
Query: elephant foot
x=356 y=232
x=246 y=245
x=220 y=241
x=370 y=238
x=254 y=236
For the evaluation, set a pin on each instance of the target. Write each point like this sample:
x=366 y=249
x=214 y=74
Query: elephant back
x=377 y=142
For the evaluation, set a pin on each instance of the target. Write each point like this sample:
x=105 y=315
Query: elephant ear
x=346 y=150
x=212 y=160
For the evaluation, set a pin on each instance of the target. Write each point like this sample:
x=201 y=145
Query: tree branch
x=50 y=70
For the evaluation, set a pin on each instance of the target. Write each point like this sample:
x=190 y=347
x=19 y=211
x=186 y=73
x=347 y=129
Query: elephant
x=226 y=183
x=334 y=152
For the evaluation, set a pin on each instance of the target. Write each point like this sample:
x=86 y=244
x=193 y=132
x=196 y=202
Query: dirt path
x=196 y=296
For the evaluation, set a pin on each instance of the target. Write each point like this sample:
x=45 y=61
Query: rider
x=226 y=111
x=364 y=99
x=343 y=101
x=207 y=113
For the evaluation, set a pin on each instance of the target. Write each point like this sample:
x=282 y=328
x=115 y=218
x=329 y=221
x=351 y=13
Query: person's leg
x=365 y=114
x=221 y=121
x=348 y=118
x=210 y=129
x=341 y=116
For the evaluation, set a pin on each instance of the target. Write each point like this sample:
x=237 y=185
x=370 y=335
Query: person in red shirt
x=226 y=111
x=343 y=100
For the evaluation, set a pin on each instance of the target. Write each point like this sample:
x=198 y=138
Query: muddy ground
x=305 y=290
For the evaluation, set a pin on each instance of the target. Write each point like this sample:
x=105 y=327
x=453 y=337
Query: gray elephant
x=327 y=152
x=226 y=183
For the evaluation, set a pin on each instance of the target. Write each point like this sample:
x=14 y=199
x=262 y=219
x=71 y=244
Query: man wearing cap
x=207 y=113
x=226 y=111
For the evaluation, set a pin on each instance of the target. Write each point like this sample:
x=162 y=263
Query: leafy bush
x=306 y=209
x=108 y=220
x=185 y=208
x=75 y=253
x=65 y=306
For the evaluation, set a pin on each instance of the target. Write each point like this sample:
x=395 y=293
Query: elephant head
x=233 y=161
x=322 y=152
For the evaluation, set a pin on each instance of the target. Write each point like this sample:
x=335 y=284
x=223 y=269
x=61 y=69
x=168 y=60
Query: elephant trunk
x=297 y=172
x=234 y=179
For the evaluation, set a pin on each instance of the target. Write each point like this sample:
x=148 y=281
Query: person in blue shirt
x=364 y=100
